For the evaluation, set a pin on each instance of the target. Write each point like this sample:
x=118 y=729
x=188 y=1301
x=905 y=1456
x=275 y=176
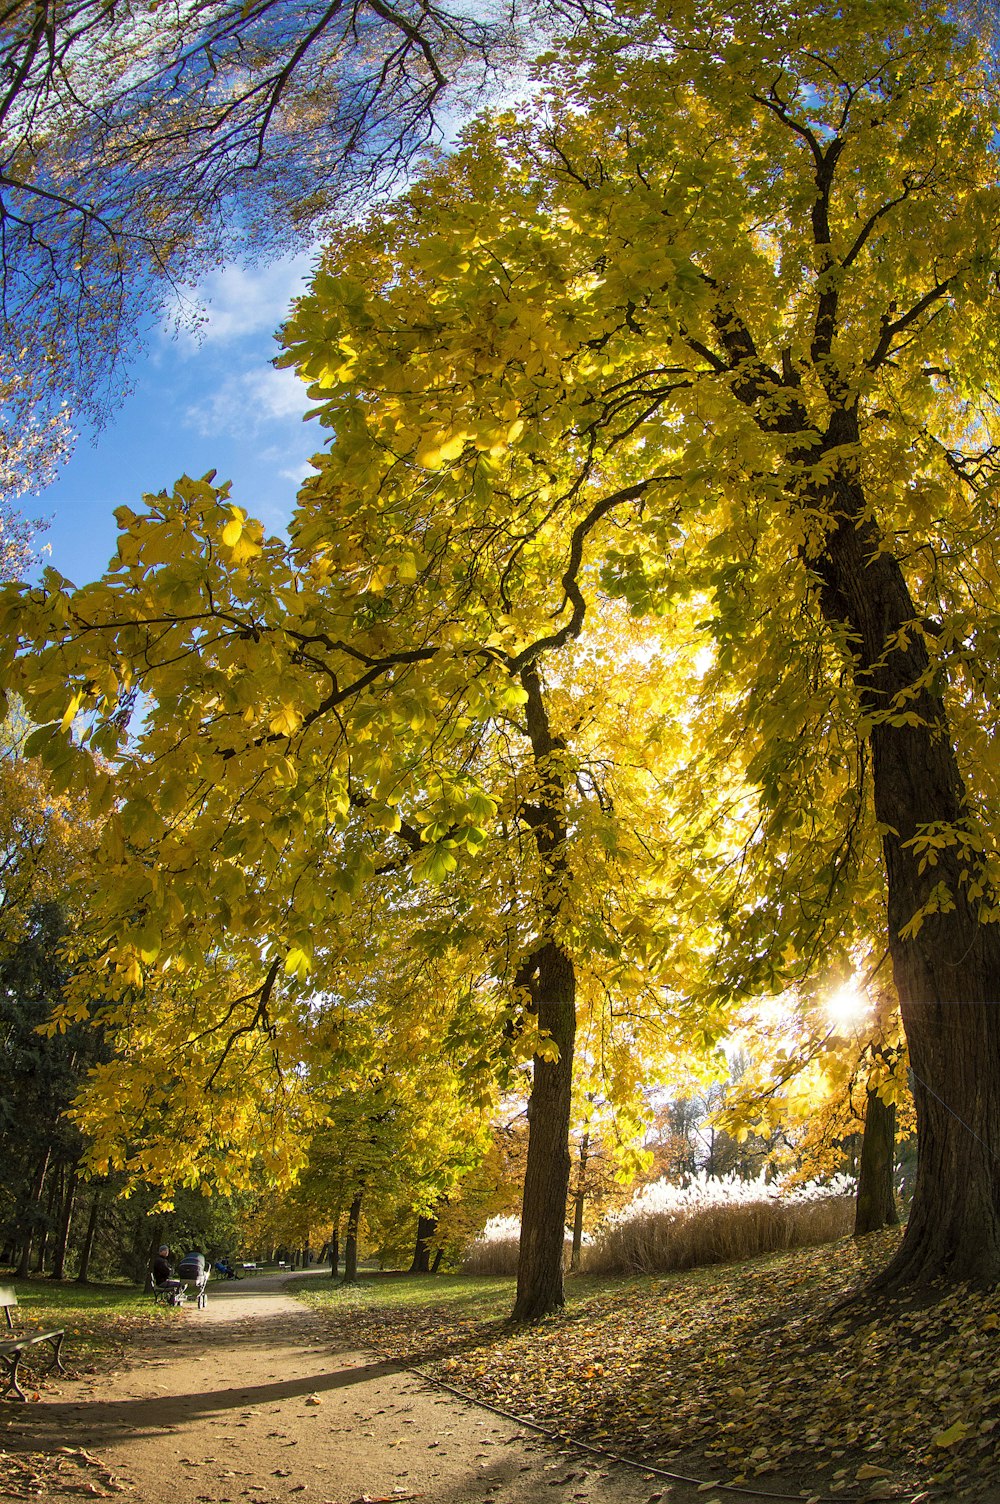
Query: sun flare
x=848 y=1006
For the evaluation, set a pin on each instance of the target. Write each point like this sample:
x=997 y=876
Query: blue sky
x=197 y=403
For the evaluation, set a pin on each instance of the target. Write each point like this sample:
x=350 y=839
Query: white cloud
x=298 y=473
x=235 y=302
x=245 y=401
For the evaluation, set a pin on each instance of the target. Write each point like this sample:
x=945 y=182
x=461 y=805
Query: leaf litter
x=736 y=1373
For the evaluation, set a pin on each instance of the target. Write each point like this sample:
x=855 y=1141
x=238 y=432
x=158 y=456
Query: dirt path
x=248 y=1401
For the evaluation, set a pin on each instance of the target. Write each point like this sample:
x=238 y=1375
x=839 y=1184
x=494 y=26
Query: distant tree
x=42 y=1151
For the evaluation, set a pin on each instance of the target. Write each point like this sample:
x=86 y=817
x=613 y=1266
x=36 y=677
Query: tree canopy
x=701 y=337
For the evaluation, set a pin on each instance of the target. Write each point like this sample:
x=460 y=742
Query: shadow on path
x=117 y=1420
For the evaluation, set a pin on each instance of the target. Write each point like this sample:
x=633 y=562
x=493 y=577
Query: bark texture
x=546 y=1179
x=421 y=1262
x=351 y=1241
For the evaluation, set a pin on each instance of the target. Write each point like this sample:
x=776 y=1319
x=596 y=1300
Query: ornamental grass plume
x=720 y=1221
x=495 y=1250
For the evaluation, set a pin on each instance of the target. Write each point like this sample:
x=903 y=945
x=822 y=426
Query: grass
x=731 y=1372
x=101 y=1321
x=708 y=1221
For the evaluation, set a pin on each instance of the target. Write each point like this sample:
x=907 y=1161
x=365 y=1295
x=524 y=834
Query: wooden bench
x=13 y=1349
x=169 y=1294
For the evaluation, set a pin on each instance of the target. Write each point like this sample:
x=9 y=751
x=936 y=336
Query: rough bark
x=876 y=1200
x=351 y=1242
x=947 y=972
x=546 y=1179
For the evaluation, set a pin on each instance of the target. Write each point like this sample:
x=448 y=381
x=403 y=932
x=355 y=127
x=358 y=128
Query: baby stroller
x=193 y=1270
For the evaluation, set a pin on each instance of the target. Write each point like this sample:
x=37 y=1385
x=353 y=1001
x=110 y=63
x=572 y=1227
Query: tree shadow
x=108 y=1421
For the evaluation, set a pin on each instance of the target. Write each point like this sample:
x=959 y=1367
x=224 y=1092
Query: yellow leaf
x=956 y=1432
x=69 y=714
x=286 y=722
x=298 y=962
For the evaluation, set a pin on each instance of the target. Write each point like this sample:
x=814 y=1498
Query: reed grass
x=495 y=1251
x=717 y=1222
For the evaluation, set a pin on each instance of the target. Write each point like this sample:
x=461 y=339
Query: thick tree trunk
x=551 y=983
x=426 y=1228
x=947 y=967
x=87 y=1251
x=579 y=1200
x=876 y=1201
x=351 y=1243
x=546 y=1179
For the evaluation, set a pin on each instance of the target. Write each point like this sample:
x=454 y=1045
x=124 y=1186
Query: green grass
x=65 y=1298
x=101 y=1321
x=464 y=1297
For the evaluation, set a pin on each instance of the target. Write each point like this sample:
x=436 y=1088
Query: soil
x=248 y=1402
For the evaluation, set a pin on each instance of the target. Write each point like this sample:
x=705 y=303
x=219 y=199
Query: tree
x=732 y=356
x=45 y=842
x=416 y=768
x=765 y=299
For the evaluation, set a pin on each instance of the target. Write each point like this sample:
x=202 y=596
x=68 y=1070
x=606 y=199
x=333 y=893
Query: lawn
x=737 y=1372
x=101 y=1321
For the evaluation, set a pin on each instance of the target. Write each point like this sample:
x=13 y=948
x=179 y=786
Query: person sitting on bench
x=163 y=1277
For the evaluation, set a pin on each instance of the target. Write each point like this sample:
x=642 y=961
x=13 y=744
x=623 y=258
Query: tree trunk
x=426 y=1228
x=546 y=1178
x=335 y=1250
x=947 y=968
x=876 y=1203
x=438 y=1256
x=549 y=978
x=31 y=1216
x=65 y=1223
x=351 y=1243
x=87 y=1251
x=56 y=1180
x=579 y=1198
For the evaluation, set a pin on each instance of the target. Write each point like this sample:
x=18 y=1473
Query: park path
x=248 y=1402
